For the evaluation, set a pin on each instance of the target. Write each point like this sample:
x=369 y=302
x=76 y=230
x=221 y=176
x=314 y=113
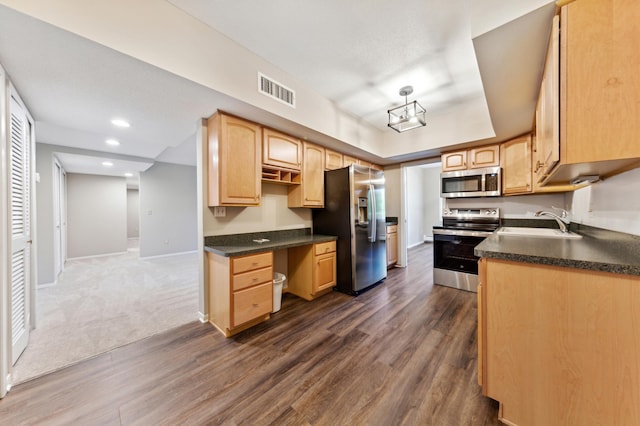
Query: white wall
x=612 y=204
x=168 y=216
x=272 y=215
x=133 y=213
x=96 y=215
x=44 y=213
x=514 y=207
x=392 y=191
x=44 y=202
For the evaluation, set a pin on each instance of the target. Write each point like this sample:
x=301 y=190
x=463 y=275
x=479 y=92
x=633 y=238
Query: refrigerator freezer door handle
x=374 y=221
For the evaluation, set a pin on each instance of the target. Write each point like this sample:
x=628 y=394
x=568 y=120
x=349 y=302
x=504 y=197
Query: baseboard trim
x=415 y=245
x=169 y=254
x=203 y=318
x=46 y=285
x=97 y=255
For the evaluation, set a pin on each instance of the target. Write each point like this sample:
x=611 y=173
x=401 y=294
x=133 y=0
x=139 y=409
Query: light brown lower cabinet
x=559 y=345
x=392 y=245
x=240 y=291
x=312 y=270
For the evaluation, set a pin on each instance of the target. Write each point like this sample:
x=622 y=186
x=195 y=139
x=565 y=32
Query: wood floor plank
x=403 y=352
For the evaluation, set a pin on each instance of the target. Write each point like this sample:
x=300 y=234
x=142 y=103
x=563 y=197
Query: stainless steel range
x=454 y=264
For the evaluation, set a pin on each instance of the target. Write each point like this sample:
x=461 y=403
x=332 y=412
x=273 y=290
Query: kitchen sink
x=537 y=233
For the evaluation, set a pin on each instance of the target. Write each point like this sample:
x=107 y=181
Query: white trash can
x=279 y=281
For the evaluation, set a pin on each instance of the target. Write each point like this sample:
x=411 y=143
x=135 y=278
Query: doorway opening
x=421 y=204
x=104 y=294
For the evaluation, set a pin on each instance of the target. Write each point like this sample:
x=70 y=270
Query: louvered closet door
x=19 y=183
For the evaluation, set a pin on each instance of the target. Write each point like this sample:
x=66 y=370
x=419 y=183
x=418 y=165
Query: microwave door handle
x=484 y=182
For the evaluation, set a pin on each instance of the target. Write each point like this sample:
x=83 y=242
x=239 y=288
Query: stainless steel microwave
x=485 y=182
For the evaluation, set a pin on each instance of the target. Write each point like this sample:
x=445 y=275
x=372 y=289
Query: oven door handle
x=461 y=232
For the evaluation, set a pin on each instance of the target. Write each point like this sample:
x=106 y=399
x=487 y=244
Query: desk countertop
x=255 y=242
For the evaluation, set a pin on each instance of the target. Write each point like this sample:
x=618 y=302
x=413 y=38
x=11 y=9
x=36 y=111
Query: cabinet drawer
x=322 y=248
x=252 y=303
x=251 y=278
x=249 y=263
x=392 y=229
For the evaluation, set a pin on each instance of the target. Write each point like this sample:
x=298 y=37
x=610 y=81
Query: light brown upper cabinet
x=515 y=156
x=475 y=158
x=234 y=161
x=332 y=159
x=598 y=95
x=281 y=150
x=310 y=192
x=377 y=167
x=348 y=160
x=547 y=142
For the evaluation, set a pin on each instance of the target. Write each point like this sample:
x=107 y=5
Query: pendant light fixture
x=408 y=116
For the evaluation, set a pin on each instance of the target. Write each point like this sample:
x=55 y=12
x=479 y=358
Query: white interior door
x=20 y=226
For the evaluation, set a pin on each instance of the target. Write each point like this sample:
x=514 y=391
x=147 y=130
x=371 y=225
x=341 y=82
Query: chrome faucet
x=563 y=220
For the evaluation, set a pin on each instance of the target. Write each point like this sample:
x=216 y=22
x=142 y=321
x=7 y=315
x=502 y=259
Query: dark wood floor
x=401 y=353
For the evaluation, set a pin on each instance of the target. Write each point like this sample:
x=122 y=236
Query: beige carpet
x=101 y=303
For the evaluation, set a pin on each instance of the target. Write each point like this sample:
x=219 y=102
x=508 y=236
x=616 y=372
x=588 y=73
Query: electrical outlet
x=219 y=211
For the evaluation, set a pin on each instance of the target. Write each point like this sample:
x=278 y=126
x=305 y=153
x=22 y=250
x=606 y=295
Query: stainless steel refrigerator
x=354 y=212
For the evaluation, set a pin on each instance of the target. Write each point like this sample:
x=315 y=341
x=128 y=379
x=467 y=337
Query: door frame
x=5 y=288
x=59 y=213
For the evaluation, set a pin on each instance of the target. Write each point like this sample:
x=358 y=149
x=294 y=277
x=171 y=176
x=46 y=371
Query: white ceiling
x=90 y=164
x=358 y=57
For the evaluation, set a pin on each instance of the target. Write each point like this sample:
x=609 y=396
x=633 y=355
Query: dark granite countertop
x=241 y=244
x=598 y=250
x=391 y=220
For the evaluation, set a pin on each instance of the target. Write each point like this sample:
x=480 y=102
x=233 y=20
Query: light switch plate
x=219 y=211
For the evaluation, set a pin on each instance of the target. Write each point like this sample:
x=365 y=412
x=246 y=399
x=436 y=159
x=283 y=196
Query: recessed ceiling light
x=107 y=163
x=112 y=142
x=128 y=174
x=120 y=122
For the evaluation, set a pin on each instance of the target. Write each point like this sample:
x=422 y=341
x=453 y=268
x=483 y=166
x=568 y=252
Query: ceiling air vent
x=275 y=90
